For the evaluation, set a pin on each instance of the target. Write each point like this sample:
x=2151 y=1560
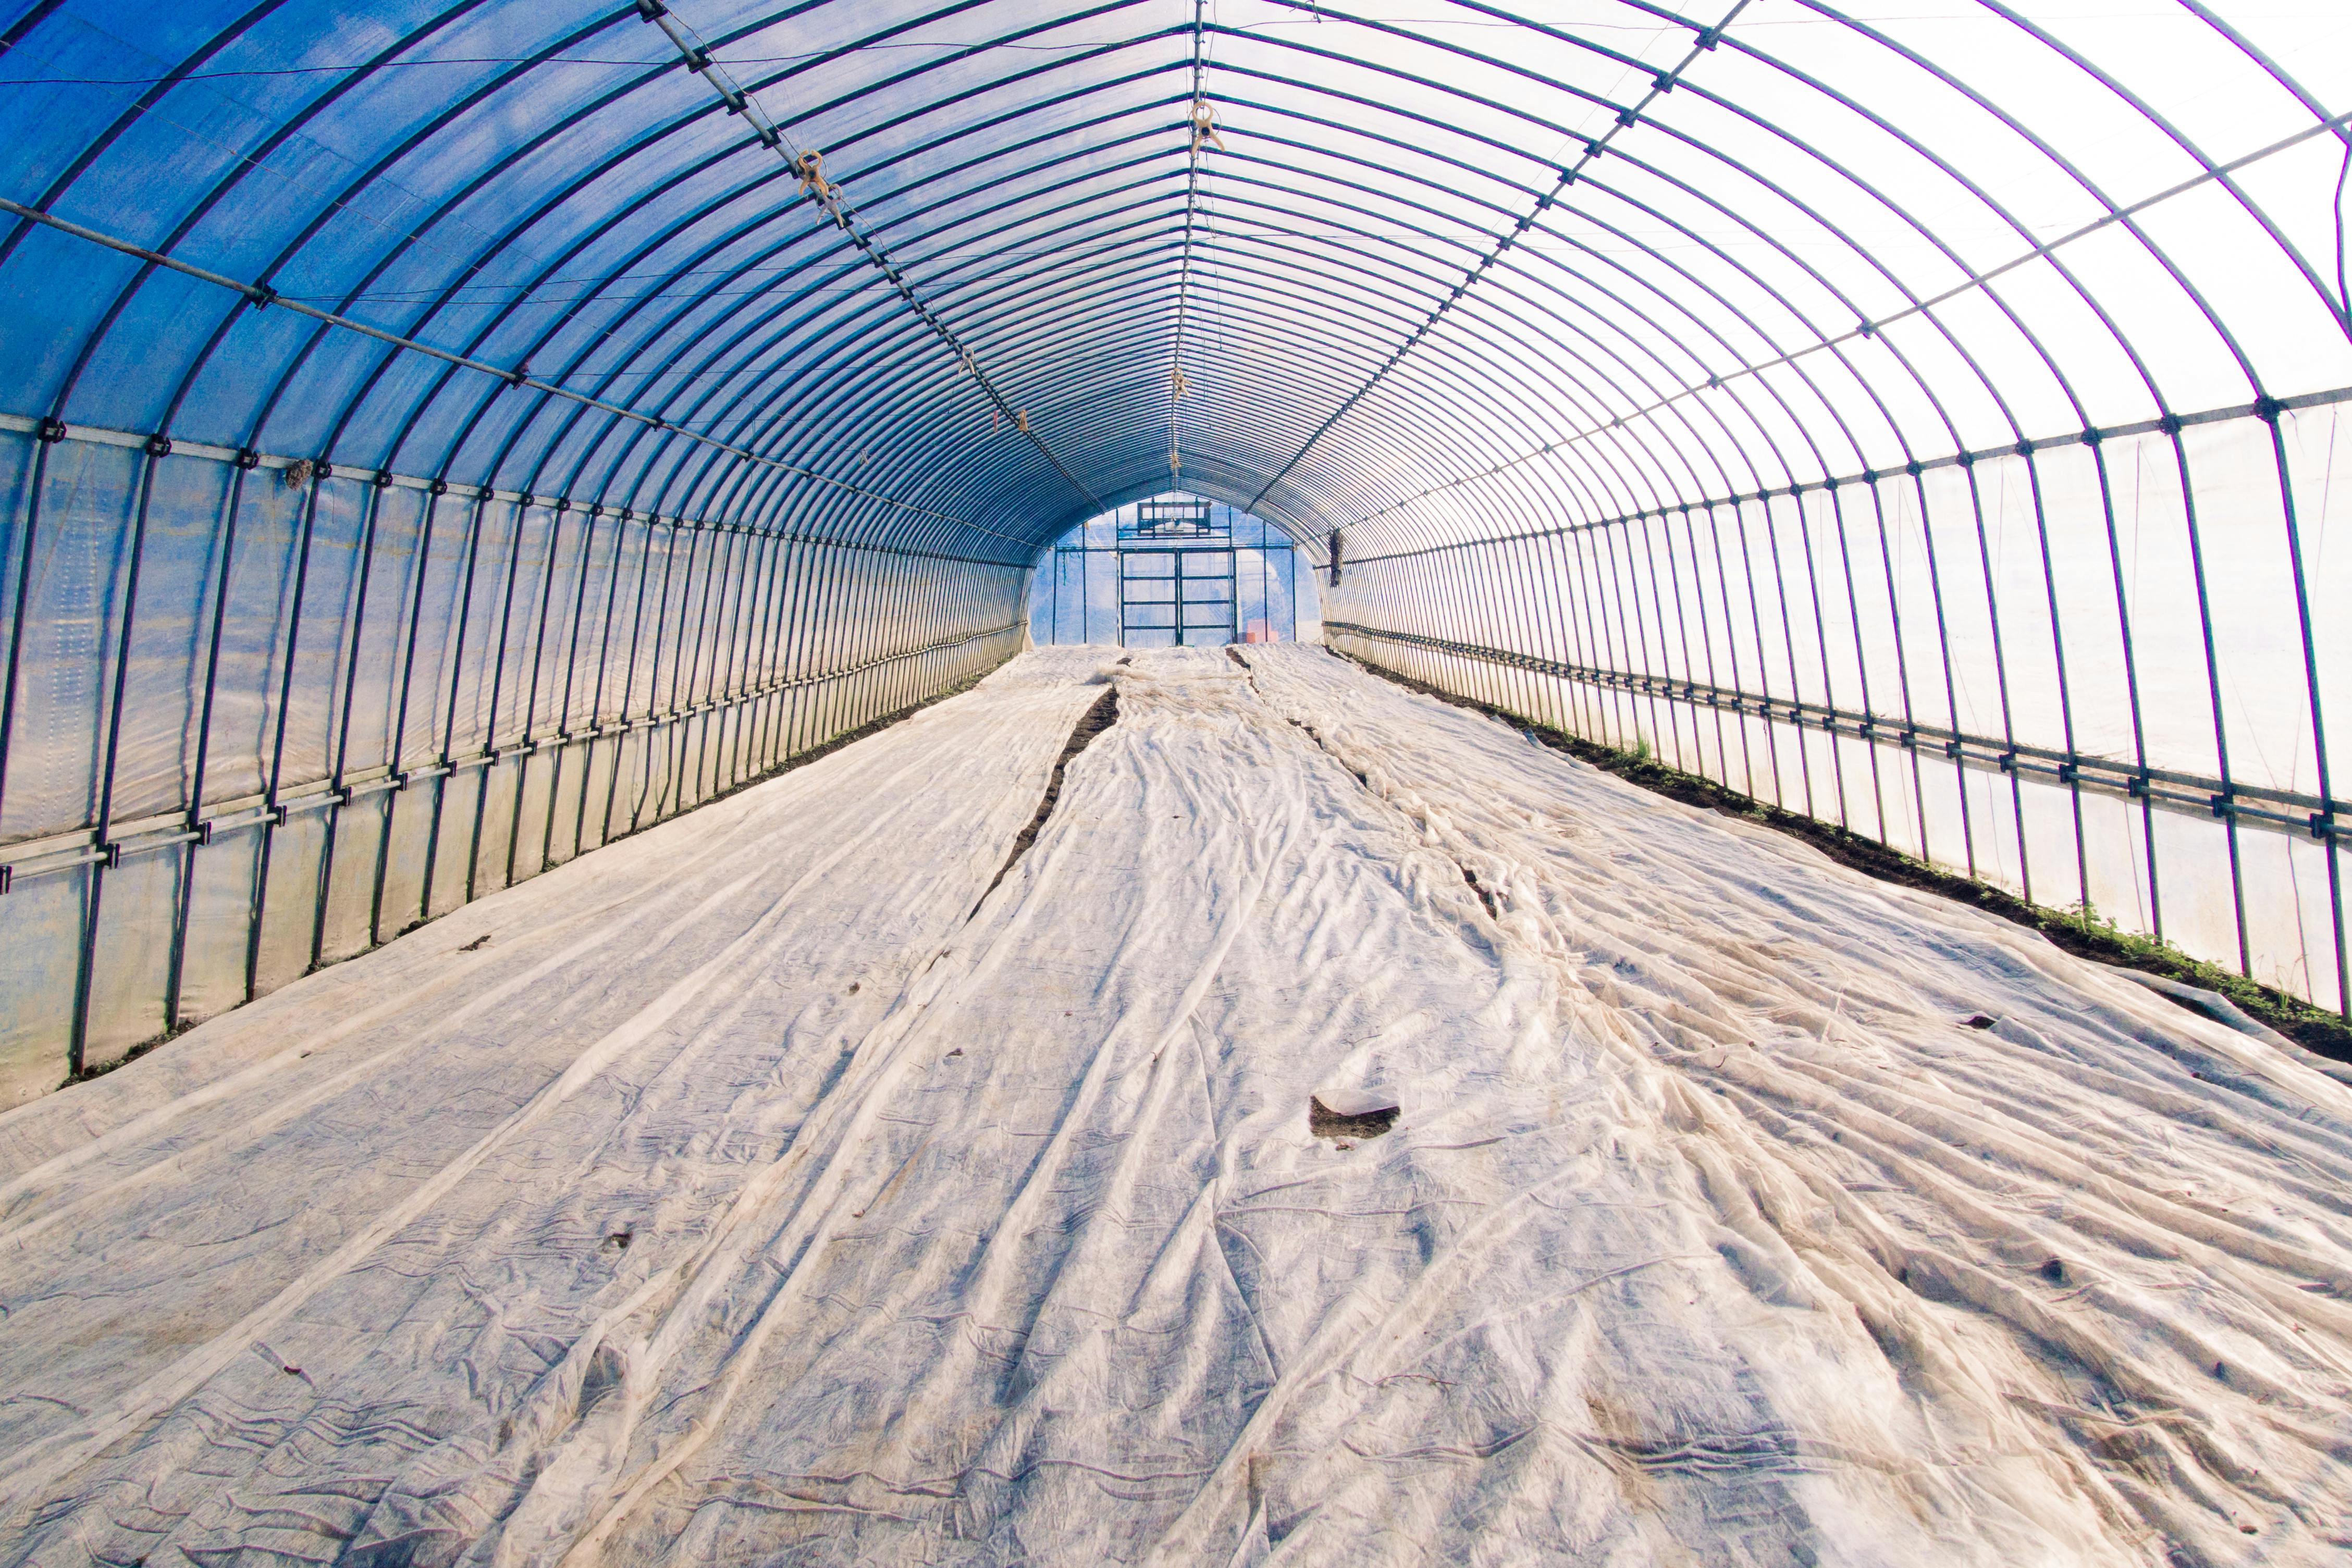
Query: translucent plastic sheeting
x=1698 y=251
x=2046 y=304
x=258 y=725
x=2075 y=673
x=780 y=1185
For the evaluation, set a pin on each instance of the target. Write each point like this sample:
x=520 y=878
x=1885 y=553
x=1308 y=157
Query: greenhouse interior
x=822 y=782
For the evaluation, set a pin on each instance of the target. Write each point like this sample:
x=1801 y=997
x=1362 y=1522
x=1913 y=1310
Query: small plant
x=2141 y=950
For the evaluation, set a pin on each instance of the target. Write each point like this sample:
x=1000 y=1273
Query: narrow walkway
x=751 y=1195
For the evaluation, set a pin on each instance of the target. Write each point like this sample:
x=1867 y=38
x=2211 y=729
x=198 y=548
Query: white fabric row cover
x=794 y=1181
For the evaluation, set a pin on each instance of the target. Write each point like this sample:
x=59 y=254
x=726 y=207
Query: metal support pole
x=447 y=783
x=86 y=956
x=200 y=773
x=277 y=744
x=331 y=819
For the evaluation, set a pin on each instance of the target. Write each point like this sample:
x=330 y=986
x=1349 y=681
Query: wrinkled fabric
x=769 y=1187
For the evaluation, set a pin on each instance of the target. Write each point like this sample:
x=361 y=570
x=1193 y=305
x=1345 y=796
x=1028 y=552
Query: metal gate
x=1186 y=573
x=1176 y=577
x=1186 y=595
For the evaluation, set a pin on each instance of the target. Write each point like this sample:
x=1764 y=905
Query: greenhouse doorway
x=1175 y=571
x=1177 y=577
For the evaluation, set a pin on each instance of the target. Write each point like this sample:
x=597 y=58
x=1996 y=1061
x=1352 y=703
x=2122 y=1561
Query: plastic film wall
x=2093 y=671
x=260 y=719
x=437 y=435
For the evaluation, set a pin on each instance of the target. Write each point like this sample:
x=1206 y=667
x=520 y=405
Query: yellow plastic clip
x=1204 y=126
x=811 y=167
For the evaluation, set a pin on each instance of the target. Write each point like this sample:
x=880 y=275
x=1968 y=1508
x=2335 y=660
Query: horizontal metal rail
x=2190 y=794
x=53 y=853
x=52 y=430
x=2166 y=425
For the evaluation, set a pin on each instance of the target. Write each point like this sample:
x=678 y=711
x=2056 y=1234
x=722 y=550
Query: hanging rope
x=1204 y=131
x=809 y=165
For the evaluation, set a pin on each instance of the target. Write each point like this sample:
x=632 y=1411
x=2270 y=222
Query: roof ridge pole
x=1204 y=129
x=1659 y=86
x=828 y=197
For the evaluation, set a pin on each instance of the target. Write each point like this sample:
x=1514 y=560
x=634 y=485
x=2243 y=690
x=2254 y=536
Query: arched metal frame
x=1705 y=394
